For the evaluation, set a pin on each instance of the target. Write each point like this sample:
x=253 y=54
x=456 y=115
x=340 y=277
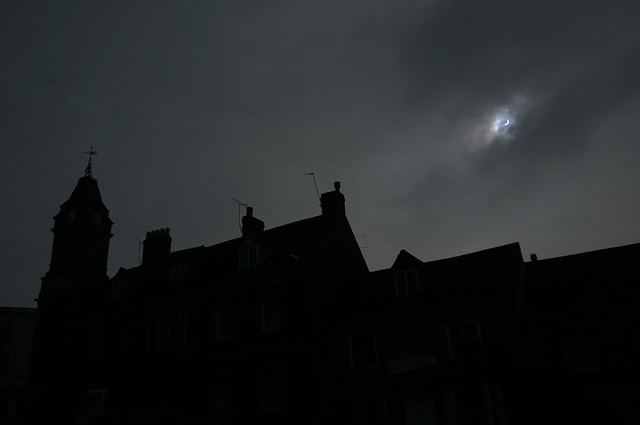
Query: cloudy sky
x=453 y=125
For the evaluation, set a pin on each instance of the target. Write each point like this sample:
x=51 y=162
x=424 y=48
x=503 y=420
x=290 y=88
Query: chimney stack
x=332 y=203
x=251 y=226
x=534 y=258
x=156 y=250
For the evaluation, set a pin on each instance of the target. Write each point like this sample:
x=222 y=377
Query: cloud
x=191 y=105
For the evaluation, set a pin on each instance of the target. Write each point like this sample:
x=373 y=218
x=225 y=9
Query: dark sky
x=453 y=126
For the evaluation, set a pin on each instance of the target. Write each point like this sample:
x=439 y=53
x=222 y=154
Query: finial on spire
x=90 y=152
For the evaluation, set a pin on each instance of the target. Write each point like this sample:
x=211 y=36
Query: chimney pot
x=534 y=257
x=156 y=248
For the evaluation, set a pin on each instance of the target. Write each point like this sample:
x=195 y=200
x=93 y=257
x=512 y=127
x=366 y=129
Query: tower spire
x=90 y=152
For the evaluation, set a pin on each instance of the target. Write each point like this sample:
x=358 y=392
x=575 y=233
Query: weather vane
x=90 y=152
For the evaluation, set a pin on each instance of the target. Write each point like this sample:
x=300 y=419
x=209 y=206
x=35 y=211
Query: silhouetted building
x=71 y=306
x=16 y=340
x=286 y=325
x=577 y=340
x=487 y=339
x=233 y=330
x=229 y=331
x=428 y=341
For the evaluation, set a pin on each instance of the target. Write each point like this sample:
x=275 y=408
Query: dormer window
x=406 y=282
x=119 y=289
x=248 y=256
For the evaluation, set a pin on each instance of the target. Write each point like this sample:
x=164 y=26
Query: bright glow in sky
x=503 y=123
x=193 y=106
x=500 y=124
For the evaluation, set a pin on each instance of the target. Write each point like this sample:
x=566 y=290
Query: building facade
x=286 y=325
x=16 y=339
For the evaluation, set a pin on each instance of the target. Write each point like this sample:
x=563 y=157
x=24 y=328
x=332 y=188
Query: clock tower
x=71 y=305
x=81 y=230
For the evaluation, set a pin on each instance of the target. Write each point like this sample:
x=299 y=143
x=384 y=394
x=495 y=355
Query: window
x=466 y=406
x=464 y=339
x=479 y=404
x=119 y=289
x=248 y=256
x=224 y=322
x=272 y=391
x=580 y=352
x=419 y=411
x=270 y=313
x=406 y=282
x=179 y=272
x=167 y=329
x=93 y=407
x=363 y=350
x=224 y=404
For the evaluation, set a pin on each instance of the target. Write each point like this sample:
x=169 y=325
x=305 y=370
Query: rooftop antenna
x=90 y=152
x=240 y=205
x=312 y=174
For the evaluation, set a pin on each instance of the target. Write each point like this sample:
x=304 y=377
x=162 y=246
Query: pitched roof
x=299 y=241
x=595 y=279
x=489 y=271
x=500 y=255
x=405 y=260
x=86 y=195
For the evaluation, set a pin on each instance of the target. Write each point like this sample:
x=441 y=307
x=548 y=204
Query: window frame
x=490 y=400
x=223 y=407
x=179 y=272
x=353 y=353
x=451 y=342
x=120 y=289
x=223 y=312
x=265 y=312
x=266 y=403
x=249 y=256
x=402 y=285
x=167 y=329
